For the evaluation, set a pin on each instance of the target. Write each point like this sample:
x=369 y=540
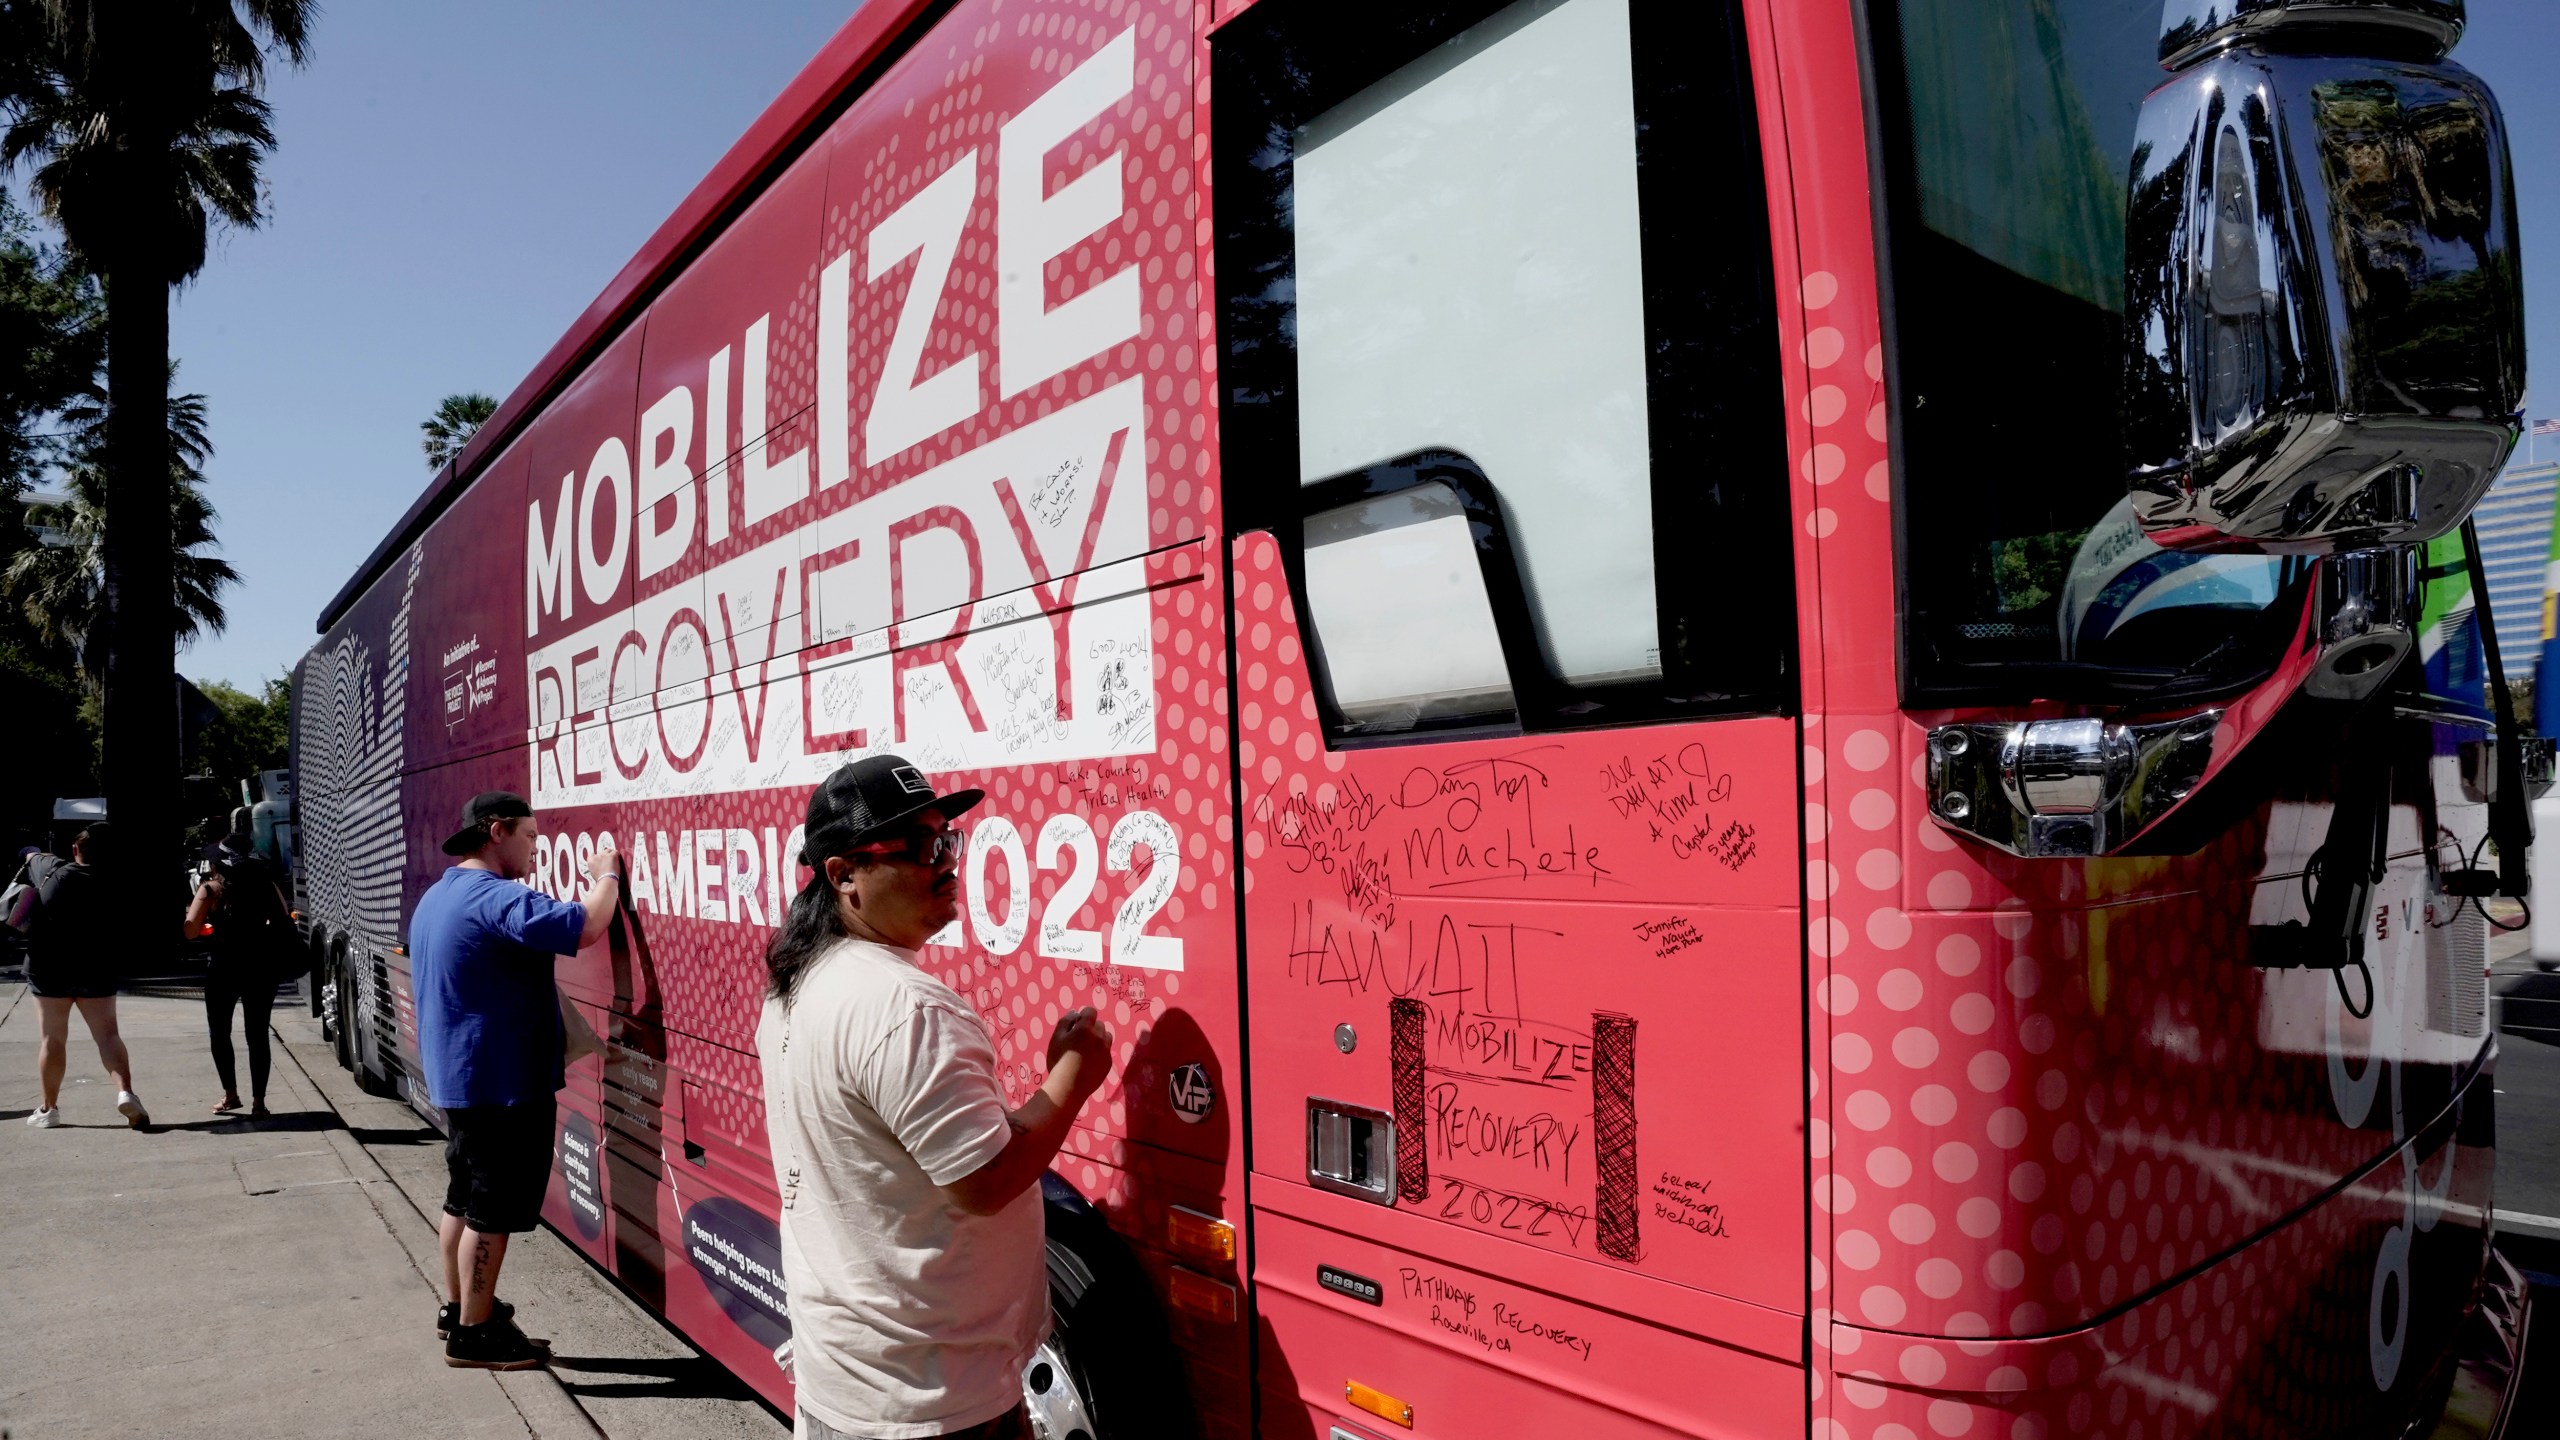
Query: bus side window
x=1403 y=628
x=1467 y=243
x=1469 y=276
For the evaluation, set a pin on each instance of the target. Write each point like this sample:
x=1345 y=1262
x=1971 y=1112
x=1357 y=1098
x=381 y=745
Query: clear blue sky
x=454 y=182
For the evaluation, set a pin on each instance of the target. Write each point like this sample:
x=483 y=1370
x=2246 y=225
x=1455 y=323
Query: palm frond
x=61 y=587
x=456 y=419
x=145 y=133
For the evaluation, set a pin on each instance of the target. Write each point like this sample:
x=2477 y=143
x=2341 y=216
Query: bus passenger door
x=1519 y=787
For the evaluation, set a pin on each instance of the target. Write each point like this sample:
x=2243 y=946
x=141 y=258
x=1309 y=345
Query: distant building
x=2515 y=548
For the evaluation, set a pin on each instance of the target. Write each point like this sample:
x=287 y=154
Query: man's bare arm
x=604 y=888
x=1079 y=1061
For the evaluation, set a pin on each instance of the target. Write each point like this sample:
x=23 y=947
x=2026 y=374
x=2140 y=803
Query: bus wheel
x=341 y=1013
x=1102 y=1373
x=324 y=988
x=1055 y=1400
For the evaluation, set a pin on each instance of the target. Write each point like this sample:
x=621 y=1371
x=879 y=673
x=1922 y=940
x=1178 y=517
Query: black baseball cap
x=868 y=796
x=486 y=806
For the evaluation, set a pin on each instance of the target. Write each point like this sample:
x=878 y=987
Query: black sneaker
x=449 y=1316
x=449 y=1319
x=494 y=1346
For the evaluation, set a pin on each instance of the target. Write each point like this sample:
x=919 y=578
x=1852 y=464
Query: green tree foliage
x=139 y=127
x=250 y=735
x=52 y=347
x=457 y=419
x=53 y=731
x=61 y=586
x=245 y=735
x=53 y=341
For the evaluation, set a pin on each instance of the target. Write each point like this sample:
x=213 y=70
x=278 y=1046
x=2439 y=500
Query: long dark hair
x=811 y=926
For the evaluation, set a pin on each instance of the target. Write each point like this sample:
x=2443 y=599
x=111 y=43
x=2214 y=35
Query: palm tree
x=457 y=419
x=141 y=128
x=53 y=342
x=62 y=585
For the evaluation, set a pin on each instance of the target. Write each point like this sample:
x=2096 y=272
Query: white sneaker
x=129 y=1105
x=46 y=1119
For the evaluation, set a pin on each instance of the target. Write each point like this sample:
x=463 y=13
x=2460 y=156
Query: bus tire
x=357 y=1020
x=1102 y=1371
x=317 y=944
x=341 y=1008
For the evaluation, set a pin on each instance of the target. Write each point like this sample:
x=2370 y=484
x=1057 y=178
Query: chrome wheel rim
x=1049 y=1393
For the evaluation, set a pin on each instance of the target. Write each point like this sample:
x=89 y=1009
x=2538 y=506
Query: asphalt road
x=2528 y=1020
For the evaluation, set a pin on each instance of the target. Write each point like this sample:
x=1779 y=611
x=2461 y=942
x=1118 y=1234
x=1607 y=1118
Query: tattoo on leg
x=484 y=1279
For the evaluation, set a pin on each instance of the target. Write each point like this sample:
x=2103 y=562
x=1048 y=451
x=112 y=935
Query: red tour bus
x=1760 y=718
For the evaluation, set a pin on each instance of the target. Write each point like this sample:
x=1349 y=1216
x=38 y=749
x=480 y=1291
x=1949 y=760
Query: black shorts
x=55 y=975
x=498 y=1158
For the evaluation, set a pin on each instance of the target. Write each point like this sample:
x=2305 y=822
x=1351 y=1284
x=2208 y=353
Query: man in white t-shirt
x=911 y=1214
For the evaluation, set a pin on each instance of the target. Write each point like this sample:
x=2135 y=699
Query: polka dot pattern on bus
x=874 y=165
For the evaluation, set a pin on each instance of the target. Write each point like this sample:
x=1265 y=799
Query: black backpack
x=251 y=923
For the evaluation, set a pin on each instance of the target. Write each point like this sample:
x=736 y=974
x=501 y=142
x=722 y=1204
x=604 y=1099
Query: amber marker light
x=1202 y=1237
x=1385 y=1407
x=1197 y=1295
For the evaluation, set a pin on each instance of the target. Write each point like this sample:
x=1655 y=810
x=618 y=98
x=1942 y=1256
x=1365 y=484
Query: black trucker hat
x=486 y=806
x=867 y=796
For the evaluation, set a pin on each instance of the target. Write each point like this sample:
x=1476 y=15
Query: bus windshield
x=2007 y=135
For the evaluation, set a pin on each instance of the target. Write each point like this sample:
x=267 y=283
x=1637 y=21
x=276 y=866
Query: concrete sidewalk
x=212 y=1276
x=631 y=1376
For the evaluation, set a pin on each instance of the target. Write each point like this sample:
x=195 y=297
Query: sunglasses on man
x=928 y=848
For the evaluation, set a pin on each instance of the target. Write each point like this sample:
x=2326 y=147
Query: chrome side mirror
x=2065 y=789
x=2084 y=787
x=2324 y=354
x=2192 y=29
x=2323 y=299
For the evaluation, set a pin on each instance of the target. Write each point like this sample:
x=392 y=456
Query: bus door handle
x=1351 y=1150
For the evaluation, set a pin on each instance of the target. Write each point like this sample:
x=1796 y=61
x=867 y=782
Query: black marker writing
x=1684 y=1203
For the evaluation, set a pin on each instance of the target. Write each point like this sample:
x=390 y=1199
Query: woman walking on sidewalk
x=69 y=965
x=241 y=908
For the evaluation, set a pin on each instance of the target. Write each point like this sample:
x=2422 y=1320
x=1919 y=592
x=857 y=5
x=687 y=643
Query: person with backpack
x=71 y=964
x=239 y=907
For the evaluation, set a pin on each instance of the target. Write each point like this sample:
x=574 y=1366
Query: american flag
x=2546 y=427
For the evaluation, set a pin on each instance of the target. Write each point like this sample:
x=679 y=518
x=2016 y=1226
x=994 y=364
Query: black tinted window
x=2007 y=135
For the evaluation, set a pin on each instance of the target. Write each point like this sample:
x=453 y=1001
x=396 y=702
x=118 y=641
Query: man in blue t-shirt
x=481 y=948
